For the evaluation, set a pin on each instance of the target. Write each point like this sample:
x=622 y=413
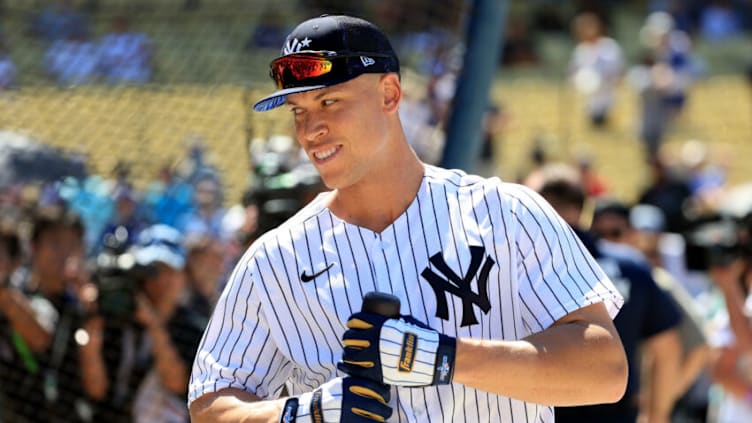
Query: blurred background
x=131 y=114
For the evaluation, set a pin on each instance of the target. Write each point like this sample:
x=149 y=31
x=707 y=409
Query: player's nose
x=313 y=127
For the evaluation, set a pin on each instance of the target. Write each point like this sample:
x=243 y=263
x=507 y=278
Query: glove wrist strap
x=445 y=360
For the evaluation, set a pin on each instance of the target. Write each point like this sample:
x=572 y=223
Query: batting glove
x=402 y=352
x=348 y=399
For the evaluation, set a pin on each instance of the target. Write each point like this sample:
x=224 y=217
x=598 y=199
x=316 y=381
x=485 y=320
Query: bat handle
x=382 y=304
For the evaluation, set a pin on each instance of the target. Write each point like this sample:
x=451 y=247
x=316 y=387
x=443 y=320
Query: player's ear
x=392 y=92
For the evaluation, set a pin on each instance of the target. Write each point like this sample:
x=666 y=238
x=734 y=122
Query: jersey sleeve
x=556 y=275
x=237 y=349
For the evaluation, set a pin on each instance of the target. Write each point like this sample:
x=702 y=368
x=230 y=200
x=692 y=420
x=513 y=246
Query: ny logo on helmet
x=460 y=286
x=294 y=46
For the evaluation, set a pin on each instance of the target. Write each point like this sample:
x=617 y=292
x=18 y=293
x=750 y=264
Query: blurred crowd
x=105 y=289
x=662 y=70
x=73 y=56
x=684 y=267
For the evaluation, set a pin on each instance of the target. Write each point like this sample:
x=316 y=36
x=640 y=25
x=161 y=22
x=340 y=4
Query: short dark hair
x=12 y=244
x=612 y=207
x=564 y=192
x=46 y=221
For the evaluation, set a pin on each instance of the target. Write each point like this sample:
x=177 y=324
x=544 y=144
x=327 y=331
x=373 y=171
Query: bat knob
x=382 y=304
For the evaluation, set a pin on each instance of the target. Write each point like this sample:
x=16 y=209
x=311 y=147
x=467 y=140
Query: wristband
x=289 y=411
x=445 y=360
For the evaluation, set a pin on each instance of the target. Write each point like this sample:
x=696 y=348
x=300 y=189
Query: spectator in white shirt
x=596 y=66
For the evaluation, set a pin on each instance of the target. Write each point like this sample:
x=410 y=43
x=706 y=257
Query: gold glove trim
x=368 y=415
x=366 y=364
x=367 y=393
x=356 y=343
x=358 y=324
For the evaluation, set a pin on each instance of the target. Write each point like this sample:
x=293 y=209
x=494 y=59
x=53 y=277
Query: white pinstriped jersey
x=462 y=241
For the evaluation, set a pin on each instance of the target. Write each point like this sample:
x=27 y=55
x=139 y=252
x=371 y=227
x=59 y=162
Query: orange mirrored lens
x=299 y=68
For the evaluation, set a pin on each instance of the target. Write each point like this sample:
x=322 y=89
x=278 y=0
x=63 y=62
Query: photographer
x=146 y=342
x=40 y=359
x=732 y=366
x=20 y=331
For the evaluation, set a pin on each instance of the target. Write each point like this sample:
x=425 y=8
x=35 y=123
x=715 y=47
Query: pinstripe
x=402 y=269
x=274 y=367
x=563 y=250
x=339 y=256
x=225 y=338
x=308 y=305
x=370 y=262
x=264 y=286
x=451 y=212
x=427 y=253
x=412 y=254
x=352 y=253
x=323 y=251
x=386 y=264
x=581 y=248
x=303 y=252
x=235 y=344
x=539 y=264
x=297 y=329
x=467 y=242
x=501 y=301
x=202 y=346
x=257 y=361
x=253 y=333
x=433 y=203
x=318 y=299
x=550 y=251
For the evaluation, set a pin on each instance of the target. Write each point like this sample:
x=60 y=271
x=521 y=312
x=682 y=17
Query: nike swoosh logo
x=307 y=278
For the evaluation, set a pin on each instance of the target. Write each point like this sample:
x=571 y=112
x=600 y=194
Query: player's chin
x=338 y=179
x=332 y=182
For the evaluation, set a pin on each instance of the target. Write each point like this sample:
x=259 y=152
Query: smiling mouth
x=326 y=154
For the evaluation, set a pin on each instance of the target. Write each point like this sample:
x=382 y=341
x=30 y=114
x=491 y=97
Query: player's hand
x=348 y=399
x=402 y=352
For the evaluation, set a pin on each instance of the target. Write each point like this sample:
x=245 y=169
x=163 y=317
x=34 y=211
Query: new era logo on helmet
x=295 y=45
x=367 y=61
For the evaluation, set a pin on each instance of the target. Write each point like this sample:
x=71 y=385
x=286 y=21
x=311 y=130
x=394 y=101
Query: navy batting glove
x=402 y=352
x=348 y=399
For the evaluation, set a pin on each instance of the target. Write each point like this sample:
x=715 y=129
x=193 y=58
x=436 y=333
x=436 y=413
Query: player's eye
x=328 y=102
x=296 y=110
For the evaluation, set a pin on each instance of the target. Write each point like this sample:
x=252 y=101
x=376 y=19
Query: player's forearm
x=173 y=372
x=16 y=308
x=93 y=370
x=694 y=362
x=740 y=323
x=235 y=406
x=724 y=372
x=547 y=368
x=665 y=352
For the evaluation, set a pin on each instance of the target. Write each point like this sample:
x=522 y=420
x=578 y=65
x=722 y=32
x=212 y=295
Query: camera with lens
x=718 y=241
x=118 y=277
x=284 y=181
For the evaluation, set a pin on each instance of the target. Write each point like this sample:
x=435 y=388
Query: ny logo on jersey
x=460 y=286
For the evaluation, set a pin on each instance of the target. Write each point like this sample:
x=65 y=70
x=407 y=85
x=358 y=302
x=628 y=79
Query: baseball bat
x=381 y=303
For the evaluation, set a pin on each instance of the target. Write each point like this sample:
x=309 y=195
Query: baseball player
x=503 y=313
